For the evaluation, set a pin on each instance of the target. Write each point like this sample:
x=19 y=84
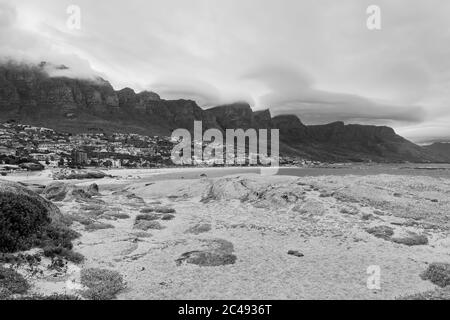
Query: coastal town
x=26 y=147
x=29 y=147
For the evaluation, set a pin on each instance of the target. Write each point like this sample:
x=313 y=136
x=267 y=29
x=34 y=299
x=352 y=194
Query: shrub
x=12 y=282
x=69 y=255
x=102 y=284
x=438 y=273
x=21 y=219
x=57 y=235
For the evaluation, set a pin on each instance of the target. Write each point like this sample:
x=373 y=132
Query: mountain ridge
x=30 y=95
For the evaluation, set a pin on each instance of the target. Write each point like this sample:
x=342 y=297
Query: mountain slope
x=29 y=95
x=440 y=149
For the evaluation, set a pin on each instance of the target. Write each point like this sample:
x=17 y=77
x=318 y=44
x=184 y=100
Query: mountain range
x=28 y=94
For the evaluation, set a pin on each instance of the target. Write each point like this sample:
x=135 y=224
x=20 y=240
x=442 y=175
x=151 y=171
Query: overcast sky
x=313 y=58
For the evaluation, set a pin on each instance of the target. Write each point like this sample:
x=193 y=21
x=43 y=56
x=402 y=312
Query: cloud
x=293 y=92
x=312 y=58
x=22 y=43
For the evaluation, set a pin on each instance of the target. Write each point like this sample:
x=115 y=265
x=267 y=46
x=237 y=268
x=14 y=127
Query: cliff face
x=240 y=115
x=29 y=95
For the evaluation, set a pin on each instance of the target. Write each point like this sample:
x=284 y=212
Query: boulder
x=70 y=174
x=31 y=166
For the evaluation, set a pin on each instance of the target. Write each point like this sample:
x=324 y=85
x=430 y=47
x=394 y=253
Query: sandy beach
x=246 y=224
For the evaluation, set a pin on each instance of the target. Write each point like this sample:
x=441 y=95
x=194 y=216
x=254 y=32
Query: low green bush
x=102 y=284
x=12 y=282
x=21 y=219
x=438 y=273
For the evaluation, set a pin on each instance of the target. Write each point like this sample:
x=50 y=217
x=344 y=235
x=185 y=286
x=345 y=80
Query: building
x=79 y=157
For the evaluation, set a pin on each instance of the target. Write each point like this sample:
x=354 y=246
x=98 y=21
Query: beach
x=264 y=237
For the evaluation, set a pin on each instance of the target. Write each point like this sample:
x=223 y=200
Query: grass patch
x=103 y=284
x=438 y=294
x=12 y=282
x=438 y=273
x=69 y=255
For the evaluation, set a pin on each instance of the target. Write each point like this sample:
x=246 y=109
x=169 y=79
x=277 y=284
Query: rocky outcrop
x=240 y=115
x=71 y=174
x=291 y=128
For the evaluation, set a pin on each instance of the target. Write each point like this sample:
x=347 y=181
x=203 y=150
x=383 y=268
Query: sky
x=313 y=58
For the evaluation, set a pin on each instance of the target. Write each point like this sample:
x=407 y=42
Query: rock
x=69 y=174
x=296 y=253
x=93 y=190
x=148 y=217
x=383 y=232
x=199 y=228
x=167 y=217
x=350 y=211
x=218 y=252
x=114 y=215
x=31 y=166
x=411 y=239
x=142 y=234
x=147 y=225
x=367 y=216
x=56 y=191
x=95 y=225
x=206 y=258
x=38 y=188
x=158 y=209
